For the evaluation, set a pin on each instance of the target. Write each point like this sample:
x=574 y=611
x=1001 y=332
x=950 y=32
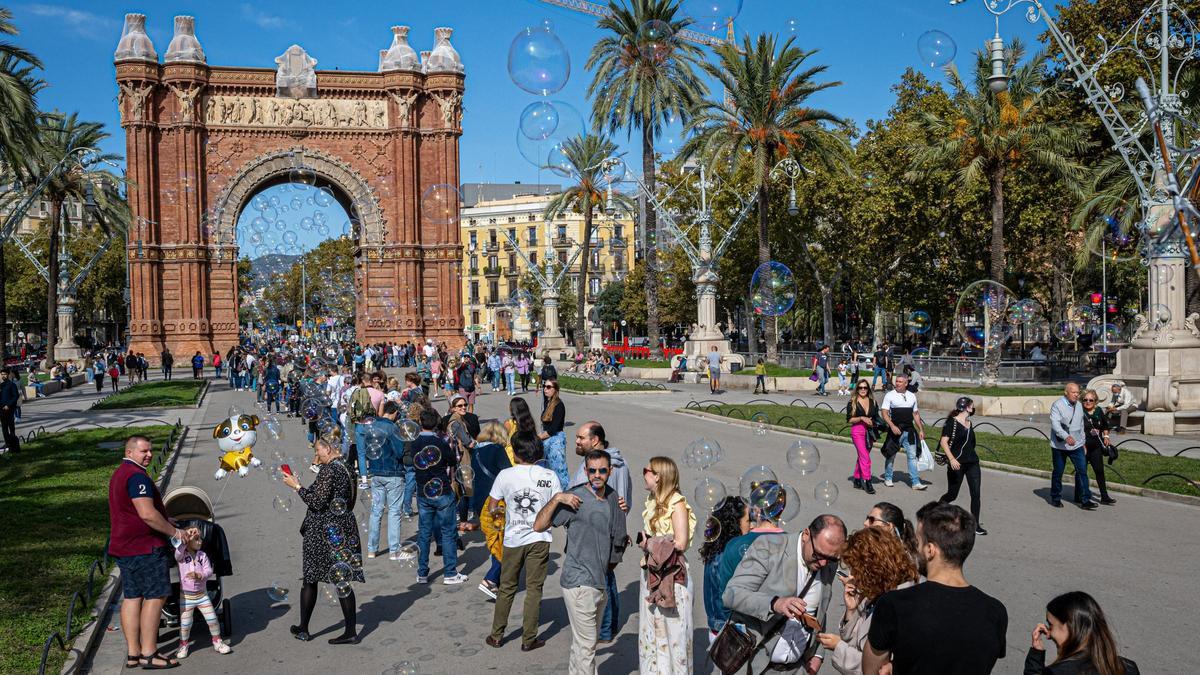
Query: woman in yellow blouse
x=665 y=635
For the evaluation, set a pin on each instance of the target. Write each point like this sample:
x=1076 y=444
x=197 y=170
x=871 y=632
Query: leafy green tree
x=640 y=86
x=767 y=116
x=586 y=154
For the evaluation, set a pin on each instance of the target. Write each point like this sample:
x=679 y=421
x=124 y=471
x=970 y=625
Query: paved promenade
x=1137 y=557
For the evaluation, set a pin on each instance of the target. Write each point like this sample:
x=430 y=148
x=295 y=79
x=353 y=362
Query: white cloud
x=262 y=19
x=83 y=23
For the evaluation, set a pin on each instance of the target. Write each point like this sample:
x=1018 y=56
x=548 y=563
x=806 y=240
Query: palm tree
x=644 y=88
x=586 y=153
x=765 y=116
x=986 y=135
x=18 y=124
x=68 y=153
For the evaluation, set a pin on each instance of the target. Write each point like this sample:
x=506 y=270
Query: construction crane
x=596 y=9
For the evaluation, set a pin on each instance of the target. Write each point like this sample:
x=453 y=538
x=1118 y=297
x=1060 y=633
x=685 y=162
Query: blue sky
x=866 y=44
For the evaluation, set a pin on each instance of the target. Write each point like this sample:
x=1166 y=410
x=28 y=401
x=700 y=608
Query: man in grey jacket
x=1066 y=442
x=770 y=585
x=591 y=437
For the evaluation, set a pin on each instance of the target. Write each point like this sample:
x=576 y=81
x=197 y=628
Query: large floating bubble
x=919 y=322
x=539 y=120
x=804 y=457
x=772 y=289
x=439 y=204
x=936 y=49
x=753 y=477
x=981 y=315
x=546 y=153
x=711 y=15
x=538 y=61
x=655 y=40
x=709 y=491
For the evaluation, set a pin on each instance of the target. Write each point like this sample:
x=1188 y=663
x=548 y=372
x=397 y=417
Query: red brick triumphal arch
x=202 y=140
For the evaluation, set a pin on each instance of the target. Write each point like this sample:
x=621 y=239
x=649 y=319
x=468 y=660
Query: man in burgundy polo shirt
x=140 y=528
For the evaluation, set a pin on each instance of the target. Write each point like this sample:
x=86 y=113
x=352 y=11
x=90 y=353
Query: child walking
x=760 y=377
x=194 y=571
x=843 y=382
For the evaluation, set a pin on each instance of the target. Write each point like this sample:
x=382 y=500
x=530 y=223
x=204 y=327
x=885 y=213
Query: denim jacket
x=388 y=464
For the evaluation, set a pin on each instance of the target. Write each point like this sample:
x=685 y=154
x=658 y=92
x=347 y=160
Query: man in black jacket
x=10 y=397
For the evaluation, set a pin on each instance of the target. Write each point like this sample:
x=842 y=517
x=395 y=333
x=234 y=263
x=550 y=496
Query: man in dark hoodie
x=591 y=437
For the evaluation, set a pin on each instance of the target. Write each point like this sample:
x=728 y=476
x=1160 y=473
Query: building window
x=491 y=221
x=492 y=237
x=562 y=257
x=532 y=236
x=474 y=264
x=533 y=257
x=595 y=259
x=475 y=318
x=493 y=262
x=512 y=234
x=474 y=299
x=512 y=219
x=474 y=239
x=512 y=260
x=532 y=217
x=562 y=231
x=493 y=292
x=471 y=222
x=618 y=229
x=595 y=285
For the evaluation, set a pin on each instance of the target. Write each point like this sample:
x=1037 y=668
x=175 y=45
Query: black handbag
x=734 y=647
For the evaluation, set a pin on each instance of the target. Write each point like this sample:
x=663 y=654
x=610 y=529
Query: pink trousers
x=862 y=469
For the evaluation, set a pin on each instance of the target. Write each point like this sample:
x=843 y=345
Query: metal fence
x=963 y=368
x=87 y=592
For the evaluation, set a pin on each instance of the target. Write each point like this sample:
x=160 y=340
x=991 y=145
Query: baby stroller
x=190 y=507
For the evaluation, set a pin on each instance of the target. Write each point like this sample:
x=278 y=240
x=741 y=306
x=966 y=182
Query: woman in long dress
x=332 y=548
x=665 y=635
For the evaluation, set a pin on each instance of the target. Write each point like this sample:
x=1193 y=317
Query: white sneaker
x=454 y=580
x=182 y=653
x=919 y=486
x=422 y=579
x=393 y=556
x=220 y=646
x=888 y=482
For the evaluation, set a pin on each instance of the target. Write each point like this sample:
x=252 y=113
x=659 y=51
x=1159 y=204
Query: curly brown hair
x=878 y=562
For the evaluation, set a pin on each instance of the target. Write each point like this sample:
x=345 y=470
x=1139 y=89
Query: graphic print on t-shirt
x=525 y=505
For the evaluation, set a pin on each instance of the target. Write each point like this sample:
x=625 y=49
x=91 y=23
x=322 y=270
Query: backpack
x=360 y=405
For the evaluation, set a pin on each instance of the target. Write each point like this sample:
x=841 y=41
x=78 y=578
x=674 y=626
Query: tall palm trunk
x=993 y=353
x=3 y=308
x=580 y=302
x=52 y=285
x=651 y=243
x=770 y=323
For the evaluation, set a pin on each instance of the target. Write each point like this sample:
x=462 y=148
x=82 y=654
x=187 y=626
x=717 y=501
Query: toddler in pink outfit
x=194 y=572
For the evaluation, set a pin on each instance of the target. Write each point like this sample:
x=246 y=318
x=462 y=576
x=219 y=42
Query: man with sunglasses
x=1067 y=440
x=779 y=580
x=596 y=540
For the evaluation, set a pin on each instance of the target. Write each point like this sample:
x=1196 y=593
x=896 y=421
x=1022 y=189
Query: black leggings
x=954 y=481
x=308 y=601
x=1095 y=457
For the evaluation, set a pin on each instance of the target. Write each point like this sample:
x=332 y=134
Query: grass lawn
x=1027 y=450
x=55 y=510
x=163 y=394
x=776 y=370
x=646 y=363
x=998 y=391
x=40 y=377
x=578 y=384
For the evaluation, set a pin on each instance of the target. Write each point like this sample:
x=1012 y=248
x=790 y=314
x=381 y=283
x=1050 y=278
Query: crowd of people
x=907 y=606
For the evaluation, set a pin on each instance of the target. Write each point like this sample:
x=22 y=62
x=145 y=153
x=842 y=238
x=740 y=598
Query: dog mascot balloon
x=236 y=437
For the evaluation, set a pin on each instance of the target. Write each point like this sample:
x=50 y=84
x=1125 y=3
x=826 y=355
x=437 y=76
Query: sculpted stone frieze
x=257 y=111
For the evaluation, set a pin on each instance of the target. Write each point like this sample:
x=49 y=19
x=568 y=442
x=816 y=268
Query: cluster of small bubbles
x=772 y=289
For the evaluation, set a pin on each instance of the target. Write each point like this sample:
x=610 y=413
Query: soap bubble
x=753 y=476
x=260 y=225
x=302 y=177
x=290 y=237
x=1106 y=338
x=760 y=422
x=538 y=152
x=408 y=430
x=434 y=488
x=981 y=314
x=804 y=457
x=343 y=589
x=826 y=493
x=338 y=506
x=538 y=61
x=341 y=572
x=439 y=204
x=779 y=503
x=1032 y=408
x=1120 y=238
x=407 y=555
x=539 y=120
x=667 y=280
x=1024 y=311
x=711 y=15
x=772 y=289
x=936 y=49
x=712 y=529
x=278 y=592
x=282 y=504
x=703 y=453
x=919 y=322
x=406 y=668
x=1066 y=330
x=323 y=198
x=791 y=25
x=427 y=458
x=655 y=40
x=1160 y=315
x=709 y=491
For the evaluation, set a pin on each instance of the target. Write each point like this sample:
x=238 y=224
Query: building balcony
x=491 y=246
x=512 y=271
x=597 y=270
x=561 y=242
x=473 y=272
x=532 y=244
x=491 y=271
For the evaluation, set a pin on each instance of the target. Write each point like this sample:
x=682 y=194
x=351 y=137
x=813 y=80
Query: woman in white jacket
x=878 y=563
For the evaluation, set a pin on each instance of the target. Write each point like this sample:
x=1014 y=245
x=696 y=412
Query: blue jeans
x=442 y=513
x=495 y=380
x=511 y=378
x=218 y=371
x=410 y=490
x=385 y=490
x=493 y=574
x=359 y=448
x=823 y=378
x=1083 y=491
x=612 y=609
x=878 y=373
x=910 y=449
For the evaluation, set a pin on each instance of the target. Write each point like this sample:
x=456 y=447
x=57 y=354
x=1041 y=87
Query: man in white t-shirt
x=525 y=489
x=900 y=413
x=430 y=350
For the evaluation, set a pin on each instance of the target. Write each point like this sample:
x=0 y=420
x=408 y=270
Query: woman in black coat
x=1077 y=625
x=332 y=548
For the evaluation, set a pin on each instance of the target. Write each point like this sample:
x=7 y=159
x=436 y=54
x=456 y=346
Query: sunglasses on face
x=460 y=405
x=871 y=520
x=1089 y=400
x=603 y=470
x=649 y=470
x=864 y=388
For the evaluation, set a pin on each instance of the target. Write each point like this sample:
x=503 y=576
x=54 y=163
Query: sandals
x=166 y=659
x=132 y=660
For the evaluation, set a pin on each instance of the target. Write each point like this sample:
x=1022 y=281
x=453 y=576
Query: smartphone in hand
x=286 y=469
